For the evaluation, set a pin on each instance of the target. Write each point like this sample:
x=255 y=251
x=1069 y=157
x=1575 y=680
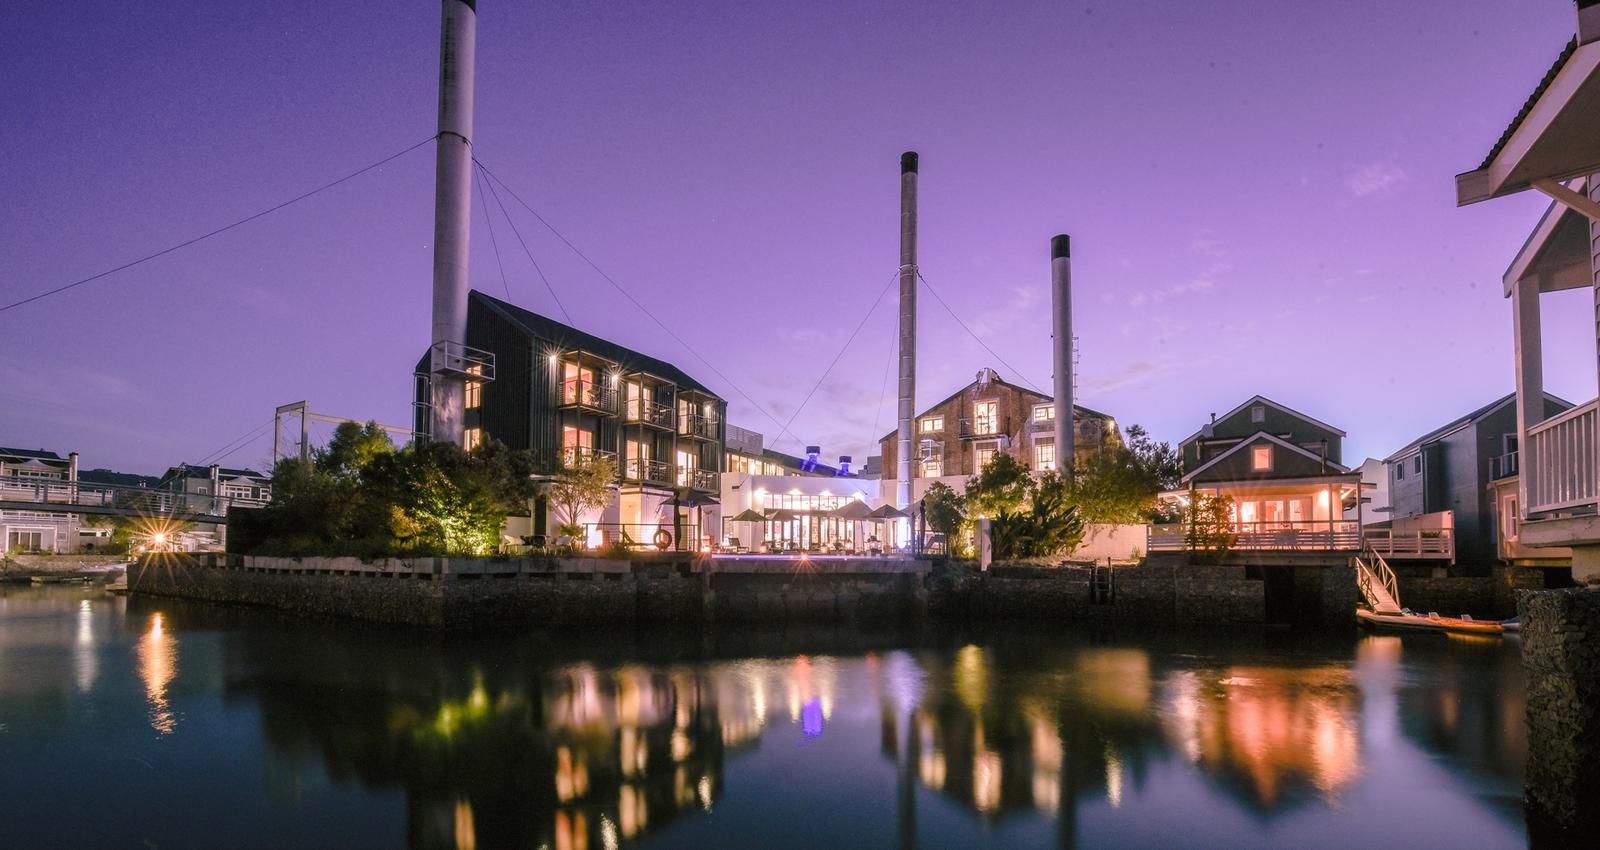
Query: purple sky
x=1259 y=195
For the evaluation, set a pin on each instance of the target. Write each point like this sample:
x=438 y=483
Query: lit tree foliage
x=1120 y=483
x=1004 y=484
x=583 y=483
x=1208 y=526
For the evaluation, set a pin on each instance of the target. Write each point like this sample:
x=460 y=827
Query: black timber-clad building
x=561 y=393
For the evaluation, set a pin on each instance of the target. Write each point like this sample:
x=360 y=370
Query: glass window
x=474 y=390
x=932 y=468
x=470 y=438
x=932 y=423
x=1044 y=455
x=981 y=455
x=1400 y=471
x=985 y=418
x=1261 y=458
x=1258 y=413
x=1044 y=412
x=1416 y=464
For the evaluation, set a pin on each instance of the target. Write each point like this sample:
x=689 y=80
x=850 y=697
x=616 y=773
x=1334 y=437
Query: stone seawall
x=1561 y=660
x=1160 y=591
x=501 y=593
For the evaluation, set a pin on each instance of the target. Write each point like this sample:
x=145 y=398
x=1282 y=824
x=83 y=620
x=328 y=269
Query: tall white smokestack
x=908 y=326
x=452 y=208
x=1061 y=310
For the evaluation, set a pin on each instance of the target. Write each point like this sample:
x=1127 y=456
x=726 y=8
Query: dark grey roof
x=38 y=454
x=191 y=470
x=1466 y=419
x=1527 y=106
x=567 y=336
x=120 y=479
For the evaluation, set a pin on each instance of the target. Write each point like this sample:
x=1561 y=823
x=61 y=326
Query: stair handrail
x=1385 y=575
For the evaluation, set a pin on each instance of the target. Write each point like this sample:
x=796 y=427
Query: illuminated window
x=981 y=455
x=1044 y=412
x=1258 y=413
x=471 y=438
x=1044 y=455
x=985 y=417
x=474 y=387
x=932 y=423
x=1261 y=458
x=932 y=467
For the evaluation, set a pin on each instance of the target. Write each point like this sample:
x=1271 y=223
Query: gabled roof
x=1527 y=105
x=1078 y=409
x=37 y=454
x=567 y=336
x=1556 y=254
x=1269 y=402
x=1240 y=446
x=1460 y=422
x=190 y=470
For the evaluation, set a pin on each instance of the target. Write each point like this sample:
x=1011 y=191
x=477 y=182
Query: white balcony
x=1560 y=464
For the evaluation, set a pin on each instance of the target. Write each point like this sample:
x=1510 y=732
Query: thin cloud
x=1375 y=178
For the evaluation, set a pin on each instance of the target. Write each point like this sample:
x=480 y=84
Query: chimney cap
x=1060 y=246
x=813 y=450
x=908 y=162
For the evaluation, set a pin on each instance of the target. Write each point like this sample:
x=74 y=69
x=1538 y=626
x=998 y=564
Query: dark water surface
x=154 y=723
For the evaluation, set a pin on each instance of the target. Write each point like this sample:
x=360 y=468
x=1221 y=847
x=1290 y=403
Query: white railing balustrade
x=1559 y=463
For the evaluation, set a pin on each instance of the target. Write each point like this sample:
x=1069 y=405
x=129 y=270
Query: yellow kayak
x=1428 y=623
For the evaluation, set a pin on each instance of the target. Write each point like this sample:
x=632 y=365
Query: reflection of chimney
x=1061 y=302
x=908 y=327
x=844 y=464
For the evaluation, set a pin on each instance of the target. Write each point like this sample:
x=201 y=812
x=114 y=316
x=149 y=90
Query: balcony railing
x=698 y=425
x=1503 y=466
x=1425 y=544
x=648 y=471
x=985 y=426
x=1311 y=536
x=697 y=479
x=1562 y=466
x=574 y=454
x=462 y=361
x=643 y=411
x=589 y=395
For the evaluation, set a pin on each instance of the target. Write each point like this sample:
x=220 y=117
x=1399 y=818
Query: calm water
x=144 y=723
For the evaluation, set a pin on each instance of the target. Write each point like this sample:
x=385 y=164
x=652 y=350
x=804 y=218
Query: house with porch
x=30 y=476
x=1441 y=480
x=565 y=394
x=1280 y=470
x=1553 y=146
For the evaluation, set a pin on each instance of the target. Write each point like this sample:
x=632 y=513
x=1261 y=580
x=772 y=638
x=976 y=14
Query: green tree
x=352 y=447
x=583 y=483
x=1050 y=527
x=1120 y=483
x=946 y=512
x=1208 y=526
x=1004 y=484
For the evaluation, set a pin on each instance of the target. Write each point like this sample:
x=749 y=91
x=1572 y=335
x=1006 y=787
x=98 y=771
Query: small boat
x=1511 y=625
x=1432 y=622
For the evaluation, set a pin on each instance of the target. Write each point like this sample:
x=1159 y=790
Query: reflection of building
x=1274 y=731
x=990 y=416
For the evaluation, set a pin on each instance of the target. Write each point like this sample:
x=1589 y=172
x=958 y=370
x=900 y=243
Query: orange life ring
x=663 y=539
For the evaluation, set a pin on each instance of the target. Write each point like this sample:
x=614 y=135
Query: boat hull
x=1416 y=623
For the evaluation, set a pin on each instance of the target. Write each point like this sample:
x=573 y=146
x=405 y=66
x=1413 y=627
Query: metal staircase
x=1379 y=587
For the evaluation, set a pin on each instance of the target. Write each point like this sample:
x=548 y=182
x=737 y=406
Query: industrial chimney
x=1061 y=308
x=908 y=327
x=452 y=212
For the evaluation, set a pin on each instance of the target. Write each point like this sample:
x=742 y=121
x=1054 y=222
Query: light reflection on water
x=296 y=733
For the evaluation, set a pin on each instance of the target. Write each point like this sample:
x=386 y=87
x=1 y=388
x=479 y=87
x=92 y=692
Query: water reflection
x=752 y=740
x=158 y=664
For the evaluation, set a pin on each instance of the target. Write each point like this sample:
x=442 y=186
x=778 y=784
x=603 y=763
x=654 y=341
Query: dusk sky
x=1260 y=198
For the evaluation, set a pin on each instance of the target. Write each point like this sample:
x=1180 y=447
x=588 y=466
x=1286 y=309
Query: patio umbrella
x=888 y=511
x=781 y=515
x=853 y=509
x=749 y=515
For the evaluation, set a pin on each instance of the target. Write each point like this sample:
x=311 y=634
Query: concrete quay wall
x=456 y=593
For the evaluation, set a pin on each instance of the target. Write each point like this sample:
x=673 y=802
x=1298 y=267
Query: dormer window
x=1258 y=414
x=1261 y=459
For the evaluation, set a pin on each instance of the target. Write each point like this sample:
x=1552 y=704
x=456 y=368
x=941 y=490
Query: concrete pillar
x=1061 y=310
x=452 y=207
x=1530 y=379
x=904 y=465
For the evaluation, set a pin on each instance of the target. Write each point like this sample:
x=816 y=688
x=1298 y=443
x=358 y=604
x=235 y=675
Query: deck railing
x=647 y=412
x=1310 y=536
x=576 y=392
x=650 y=471
x=571 y=455
x=1502 y=466
x=149 y=501
x=1561 y=469
x=698 y=425
x=1436 y=544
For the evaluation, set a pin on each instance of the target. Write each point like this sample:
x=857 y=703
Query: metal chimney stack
x=452 y=208
x=908 y=327
x=1061 y=310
